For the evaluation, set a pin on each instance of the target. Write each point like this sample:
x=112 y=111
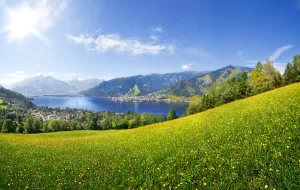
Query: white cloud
x=105 y=42
x=32 y=18
x=279 y=51
x=158 y=30
x=186 y=67
x=198 y=52
x=17 y=74
x=8 y=79
x=154 y=37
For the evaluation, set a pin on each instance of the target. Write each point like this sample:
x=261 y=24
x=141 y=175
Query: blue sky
x=114 y=38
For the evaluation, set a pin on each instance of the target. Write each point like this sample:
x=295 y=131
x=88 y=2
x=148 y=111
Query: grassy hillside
x=14 y=100
x=248 y=144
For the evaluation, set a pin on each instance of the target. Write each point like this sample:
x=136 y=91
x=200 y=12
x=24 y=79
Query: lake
x=105 y=104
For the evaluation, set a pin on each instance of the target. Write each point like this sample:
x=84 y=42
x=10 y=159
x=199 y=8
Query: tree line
x=12 y=122
x=263 y=78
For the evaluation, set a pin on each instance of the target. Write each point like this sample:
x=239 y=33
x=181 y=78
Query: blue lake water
x=105 y=104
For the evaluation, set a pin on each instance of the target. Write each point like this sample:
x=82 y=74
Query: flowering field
x=248 y=144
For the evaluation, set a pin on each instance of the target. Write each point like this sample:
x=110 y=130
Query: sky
x=117 y=38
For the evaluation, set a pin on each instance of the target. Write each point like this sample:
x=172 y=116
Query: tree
x=37 y=126
x=265 y=77
x=258 y=79
x=244 y=87
x=172 y=115
x=20 y=128
x=292 y=71
x=195 y=105
x=135 y=122
x=7 y=126
x=274 y=78
x=28 y=125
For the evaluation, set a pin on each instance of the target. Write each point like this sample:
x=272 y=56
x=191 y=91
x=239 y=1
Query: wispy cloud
x=154 y=37
x=17 y=74
x=10 y=78
x=198 y=52
x=158 y=30
x=32 y=18
x=279 y=51
x=105 y=42
x=186 y=67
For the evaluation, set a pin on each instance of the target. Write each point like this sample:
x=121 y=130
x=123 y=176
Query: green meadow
x=248 y=144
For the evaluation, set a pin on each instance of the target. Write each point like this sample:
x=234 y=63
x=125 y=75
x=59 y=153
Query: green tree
x=195 y=105
x=265 y=77
x=37 y=126
x=20 y=128
x=135 y=122
x=244 y=87
x=258 y=79
x=274 y=78
x=292 y=71
x=28 y=125
x=7 y=126
x=172 y=115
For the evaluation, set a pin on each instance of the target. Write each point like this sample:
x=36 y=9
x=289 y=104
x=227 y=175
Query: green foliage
x=248 y=144
x=265 y=77
x=232 y=89
x=7 y=126
x=172 y=115
x=292 y=71
x=13 y=100
x=194 y=105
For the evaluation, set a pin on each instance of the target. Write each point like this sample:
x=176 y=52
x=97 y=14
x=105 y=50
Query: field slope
x=248 y=144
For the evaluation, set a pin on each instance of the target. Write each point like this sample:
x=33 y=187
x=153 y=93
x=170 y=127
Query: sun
x=22 y=22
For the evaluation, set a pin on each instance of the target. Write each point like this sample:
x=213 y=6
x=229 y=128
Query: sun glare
x=22 y=22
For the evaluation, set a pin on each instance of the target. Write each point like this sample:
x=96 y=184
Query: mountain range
x=47 y=85
x=184 y=84
x=139 y=85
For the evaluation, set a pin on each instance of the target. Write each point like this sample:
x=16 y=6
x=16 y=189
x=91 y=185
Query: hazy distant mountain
x=139 y=85
x=198 y=85
x=86 y=84
x=43 y=85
